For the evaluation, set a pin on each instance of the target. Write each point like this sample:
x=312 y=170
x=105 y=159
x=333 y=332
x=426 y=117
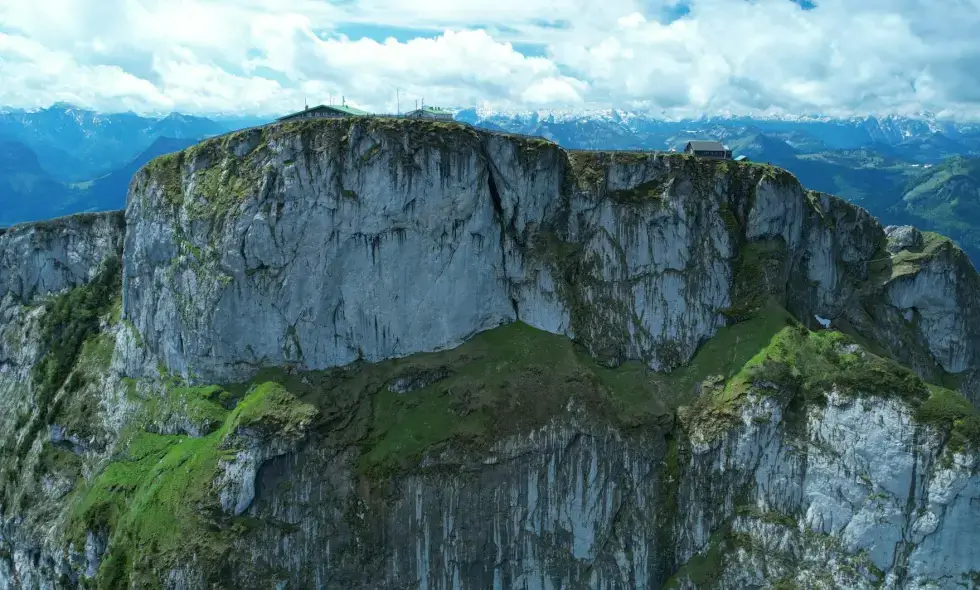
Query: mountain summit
x=383 y=353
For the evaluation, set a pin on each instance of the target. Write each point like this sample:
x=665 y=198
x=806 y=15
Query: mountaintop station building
x=430 y=113
x=332 y=111
x=708 y=149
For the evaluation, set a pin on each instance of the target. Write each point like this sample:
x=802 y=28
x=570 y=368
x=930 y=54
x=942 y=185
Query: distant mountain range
x=28 y=192
x=926 y=139
x=946 y=199
x=924 y=171
x=64 y=159
x=75 y=145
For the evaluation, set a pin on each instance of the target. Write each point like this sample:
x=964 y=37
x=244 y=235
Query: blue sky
x=685 y=57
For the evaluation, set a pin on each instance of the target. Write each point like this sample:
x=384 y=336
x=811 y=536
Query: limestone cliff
x=391 y=354
x=319 y=245
x=42 y=258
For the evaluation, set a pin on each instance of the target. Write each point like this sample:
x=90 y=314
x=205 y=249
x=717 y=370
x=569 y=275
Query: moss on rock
x=757 y=274
x=805 y=365
x=167 y=171
x=884 y=267
x=69 y=320
x=952 y=412
x=157 y=499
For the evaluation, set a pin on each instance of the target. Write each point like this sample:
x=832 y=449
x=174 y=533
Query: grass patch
x=157 y=496
x=768 y=517
x=950 y=410
x=57 y=460
x=515 y=377
x=77 y=409
x=204 y=407
x=223 y=185
x=502 y=381
x=642 y=193
x=167 y=171
x=703 y=569
x=907 y=262
x=271 y=406
x=805 y=365
x=506 y=381
x=587 y=170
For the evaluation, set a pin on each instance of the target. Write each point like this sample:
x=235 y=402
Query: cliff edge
x=317 y=244
x=388 y=354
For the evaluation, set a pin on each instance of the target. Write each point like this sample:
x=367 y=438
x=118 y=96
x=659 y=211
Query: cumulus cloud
x=685 y=57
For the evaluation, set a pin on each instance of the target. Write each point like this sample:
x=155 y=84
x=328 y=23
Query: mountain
x=28 y=193
x=867 y=160
x=77 y=145
x=761 y=147
x=830 y=133
x=946 y=198
x=930 y=149
x=178 y=126
x=109 y=192
x=405 y=354
x=26 y=190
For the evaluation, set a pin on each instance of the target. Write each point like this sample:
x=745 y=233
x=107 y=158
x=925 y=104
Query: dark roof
x=705 y=146
x=328 y=107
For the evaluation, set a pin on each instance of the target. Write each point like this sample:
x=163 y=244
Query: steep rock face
x=857 y=494
x=41 y=258
x=348 y=252
x=374 y=242
x=36 y=261
x=941 y=293
x=43 y=425
x=321 y=243
x=844 y=505
x=574 y=504
x=769 y=456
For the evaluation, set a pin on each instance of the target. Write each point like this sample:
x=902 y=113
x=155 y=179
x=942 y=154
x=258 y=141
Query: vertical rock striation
x=454 y=359
x=321 y=243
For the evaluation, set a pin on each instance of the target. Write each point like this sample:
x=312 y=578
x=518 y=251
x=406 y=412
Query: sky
x=663 y=57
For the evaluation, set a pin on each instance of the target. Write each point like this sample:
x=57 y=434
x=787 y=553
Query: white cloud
x=266 y=57
x=632 y=20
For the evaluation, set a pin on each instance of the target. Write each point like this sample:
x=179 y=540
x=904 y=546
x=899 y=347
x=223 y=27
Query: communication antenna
x=398 y=102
